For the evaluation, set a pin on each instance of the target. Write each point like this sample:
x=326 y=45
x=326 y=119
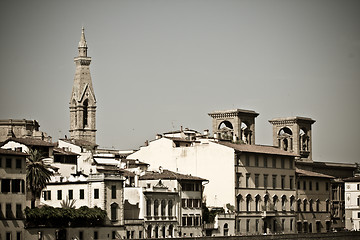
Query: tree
x=37 y=175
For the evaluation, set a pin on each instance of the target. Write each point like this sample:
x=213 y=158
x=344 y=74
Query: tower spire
x=82 y=44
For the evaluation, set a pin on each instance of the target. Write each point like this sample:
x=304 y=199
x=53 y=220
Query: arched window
x=275 y=200
x=299 y=205
x=114 y=207
x=148 y=207
x=311 y=205
x=163 y=231
x=305 y=204
x=85 y=113
x=257 y=203
x=266 y=201
x=170 y=207
x=248 y=199
x=238 y=202
x=149 y=231
x=163 y=206
x=317 y=205
x=156 y=208
x=171 y=229
x=285 y=139
x=283 y=202
x=327 y=205
x=292 y=200
x=226 y=229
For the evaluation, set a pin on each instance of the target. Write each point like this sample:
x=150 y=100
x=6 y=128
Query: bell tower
x=237 y=125
x=293 y=134
x=83 y=101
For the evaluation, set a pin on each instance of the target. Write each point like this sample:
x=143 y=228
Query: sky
x=158 y=65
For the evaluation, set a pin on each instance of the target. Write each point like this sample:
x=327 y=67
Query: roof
x=167 y=174
x=134 y=162
x=352 y=179
x=106 y=161
x=306 y=173
x=80 y=142
x=328 y=164
x=291 y=120
x=232 y=112
x=257 y=149
x=30 y=142
x=178 y=139
x=60 y=151
x=11 y=152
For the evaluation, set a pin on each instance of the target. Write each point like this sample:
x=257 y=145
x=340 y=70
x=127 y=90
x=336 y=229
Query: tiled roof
x=133 y=162
x=11 y=152
x=306 y=173
x=30 y=142
x=178 y=139
x=81 y=143
x=166 y=174
x=60 y=151
x=257 y=148
x=352 y=179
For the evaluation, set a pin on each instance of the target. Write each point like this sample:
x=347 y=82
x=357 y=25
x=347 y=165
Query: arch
x=226 y=229
x=156 y=232
x=170 y=208
x=285 y=131
x=156 y=207
x=163 y=206
x=257 y=202
x=113 y=210
x=148 y=207
x=163 y=232
x=248 y=199
x=225 y=124
x=149 y=231
x=171 y=230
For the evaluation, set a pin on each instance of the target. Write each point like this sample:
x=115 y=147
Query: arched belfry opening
x=293 y=134
x=285 y=139
x=237 y=125
x=85 y=113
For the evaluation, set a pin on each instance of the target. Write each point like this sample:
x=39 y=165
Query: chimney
x=206 y=132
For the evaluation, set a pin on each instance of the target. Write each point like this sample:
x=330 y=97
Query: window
x=275 y=200
x=96 y=235
x=170 y=206
x=310 y=185
x=317 y=186
x=190 y=221
x=5 y=185
x=156 y=208
x=47 y=195
x=15 y=185
x=184 y=220
x=247 y=225
x=96 y=193
x=81 y=194
x=18 y=163
x=238 y=179
x=114 y=207
x=248 y=199
x=318 y=226
x=282 y=163
x=257 y=225
x=257 y=203
x=19 y=214
x=265 y=161
x=247 y=180
x=311 y=205
x=8 y=163
x=274 y=181
x=283 y=202
x=163 y=206
x=8 y=212
x=256 y=180
x=291 y=224
x=265 y=181
x=298 y=184
x=327 y=205
x=113 y=235
x=282 y=182
x=282 y=225
x=140 y=234
x=292 y=199
x=59 y=194
x=8 y=235
x=113 y=191
x=291 y=182
x=327 y=186
x=358 y=214
x=274 y=162
x=71 y=194
x=299 y=205
x=18 y=236
x=304 y=185
x=81 y=235
x=247 y=158
x=305 y=205
x=318 y=205
x=299 y=227
x=256 y=160
x=358 y=186
x=148 y=207
x=183 y=203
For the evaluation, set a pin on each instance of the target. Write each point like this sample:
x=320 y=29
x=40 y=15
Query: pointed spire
x=82 y=43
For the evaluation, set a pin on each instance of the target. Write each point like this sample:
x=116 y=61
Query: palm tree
x=37 y=175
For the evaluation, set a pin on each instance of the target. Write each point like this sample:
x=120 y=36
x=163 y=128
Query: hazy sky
x=157 y=65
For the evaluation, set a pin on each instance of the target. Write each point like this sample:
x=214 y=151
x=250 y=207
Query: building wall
x=12 y=222
x=352 y=205
x=200 y=159
x=261 y=208
x=313 y=220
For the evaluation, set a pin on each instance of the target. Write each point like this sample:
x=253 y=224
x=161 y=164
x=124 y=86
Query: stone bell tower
x=83 y=101
x=293 y=134
x=237 y=125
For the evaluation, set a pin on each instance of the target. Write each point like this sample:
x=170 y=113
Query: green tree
x=37 y=175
